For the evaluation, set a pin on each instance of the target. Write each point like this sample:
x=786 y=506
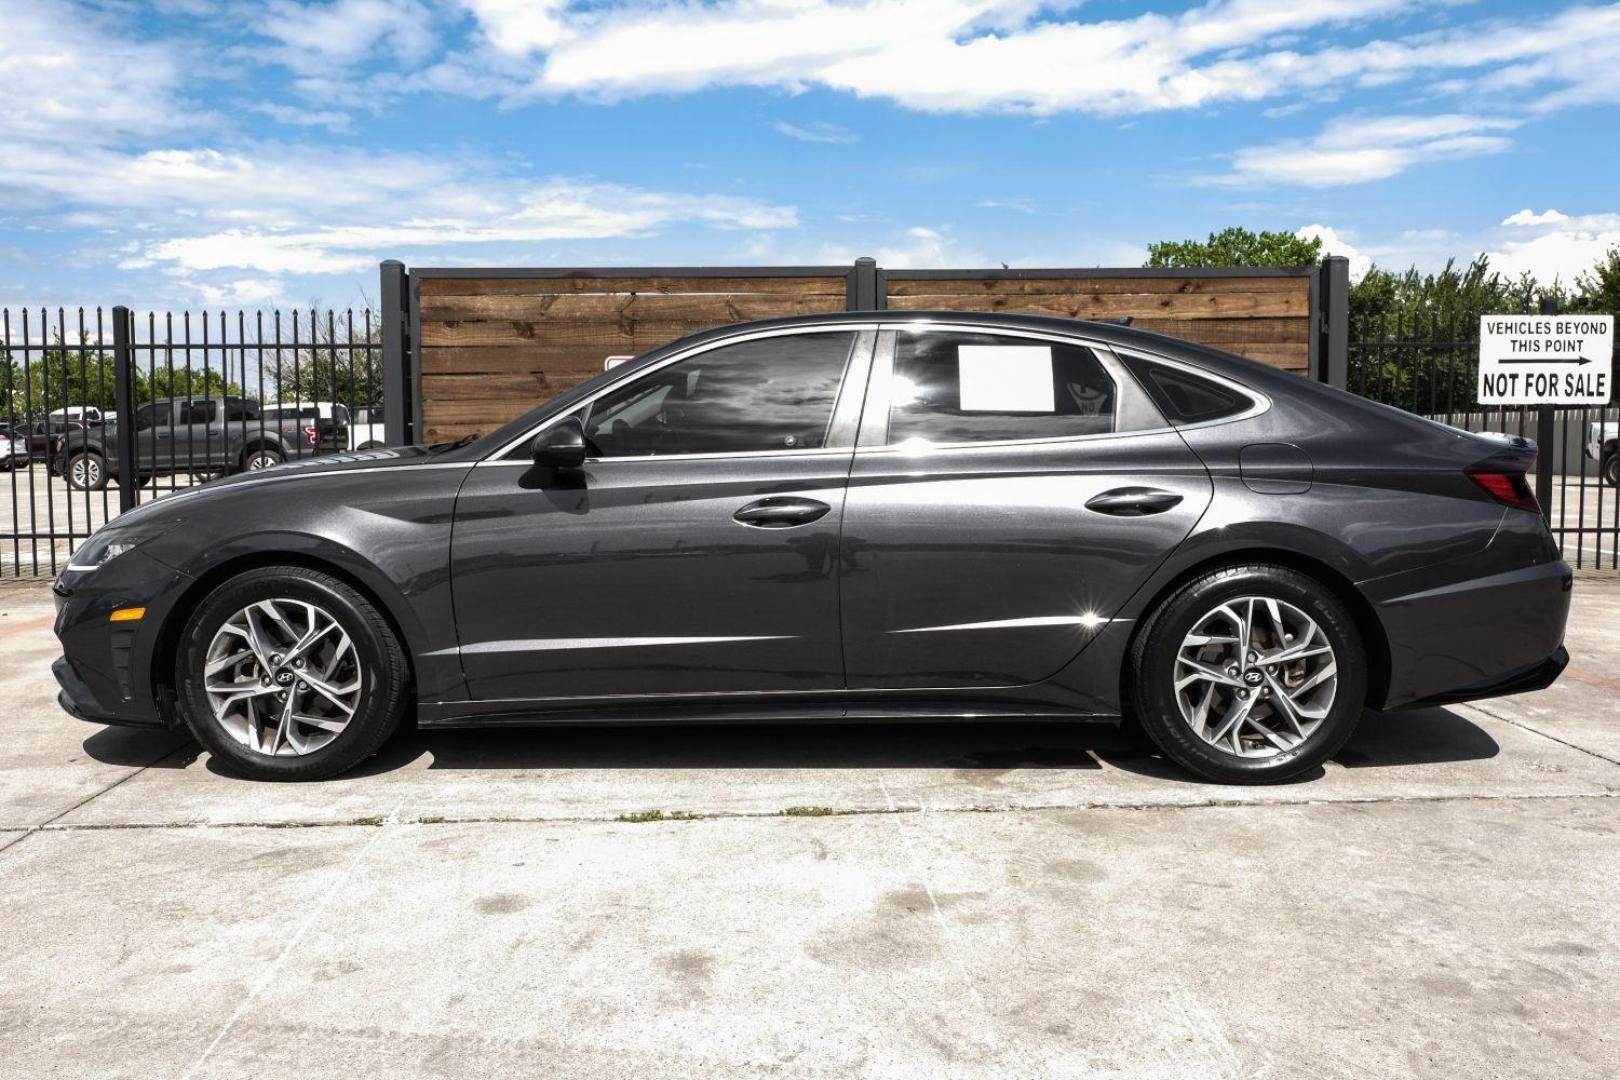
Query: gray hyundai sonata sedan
x=855 y=518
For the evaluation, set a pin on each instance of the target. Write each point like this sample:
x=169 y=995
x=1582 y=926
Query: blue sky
x=191 y=154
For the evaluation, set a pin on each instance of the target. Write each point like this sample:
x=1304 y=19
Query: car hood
x=391 y=457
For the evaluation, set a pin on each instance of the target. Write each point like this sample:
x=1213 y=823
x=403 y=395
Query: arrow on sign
x=1583 y=361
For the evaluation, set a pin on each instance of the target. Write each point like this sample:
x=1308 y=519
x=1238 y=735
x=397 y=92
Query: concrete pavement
x=1009 y=900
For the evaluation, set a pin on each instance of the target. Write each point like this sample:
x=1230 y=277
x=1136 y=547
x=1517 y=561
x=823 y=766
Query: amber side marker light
x=129 y=614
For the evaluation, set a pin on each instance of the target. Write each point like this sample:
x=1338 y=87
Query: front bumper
x=107 y=670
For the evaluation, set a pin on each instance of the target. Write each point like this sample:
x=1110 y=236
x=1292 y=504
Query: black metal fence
x=103 y=409
x=1429 y=365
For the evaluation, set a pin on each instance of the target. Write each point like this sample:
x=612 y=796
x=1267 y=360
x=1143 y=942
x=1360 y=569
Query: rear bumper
x=1537 y=676
x=1502 y=633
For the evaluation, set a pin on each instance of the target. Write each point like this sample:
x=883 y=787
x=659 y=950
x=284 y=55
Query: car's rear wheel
x=286 y=673
x=1611 y=468
x=87 y=472
x=1249 y=674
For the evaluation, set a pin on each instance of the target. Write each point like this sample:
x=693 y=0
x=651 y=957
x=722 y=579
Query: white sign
x=1005 y=378
x=1545 y=359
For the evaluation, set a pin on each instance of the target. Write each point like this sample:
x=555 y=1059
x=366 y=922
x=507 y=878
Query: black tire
x=1611 y=468
x=381 y=661
x=92 y=476
x=1154 y=664
x=261 y=457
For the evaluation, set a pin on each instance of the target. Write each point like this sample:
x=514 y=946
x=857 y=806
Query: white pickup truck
x=1601 y=439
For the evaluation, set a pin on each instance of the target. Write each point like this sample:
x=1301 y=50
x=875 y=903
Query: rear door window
x=962 y=387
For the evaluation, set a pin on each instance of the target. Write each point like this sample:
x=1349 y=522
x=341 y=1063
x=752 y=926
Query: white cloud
x=1334 y=244
x=1355 y=150
x=1552 y=244
x=921 y=248
x=315 y=37
x=1017 y=55
x=72 y=76
x=941 y=55
x=243 y=292
x=817 y=131
x=1020 y=204
x=296 y=117
x=519 y=27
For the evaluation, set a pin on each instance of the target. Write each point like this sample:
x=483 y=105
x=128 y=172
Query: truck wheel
x=263 y=458
x=86 y=472
x=1611 y=468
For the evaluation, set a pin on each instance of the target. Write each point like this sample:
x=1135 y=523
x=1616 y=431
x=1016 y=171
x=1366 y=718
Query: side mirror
x=560 y=446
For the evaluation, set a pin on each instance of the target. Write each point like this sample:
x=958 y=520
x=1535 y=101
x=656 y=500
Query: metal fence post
x=124 y=402
x=1333 y=353
x=399 y=425
x=862 y=294
x=1545 y=437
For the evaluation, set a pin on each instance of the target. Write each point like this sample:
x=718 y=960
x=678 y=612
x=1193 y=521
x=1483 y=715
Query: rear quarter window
x=1186 y=398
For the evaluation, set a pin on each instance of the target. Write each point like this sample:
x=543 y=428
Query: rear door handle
x=781 y=512
x=1133 y=501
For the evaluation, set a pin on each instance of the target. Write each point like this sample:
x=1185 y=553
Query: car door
x=1009 y=493
x=694 y=552
x=154 y=437
x=197 y=438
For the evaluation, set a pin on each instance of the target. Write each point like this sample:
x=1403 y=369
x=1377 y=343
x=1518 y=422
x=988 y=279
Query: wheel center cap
x=1253 y=677
x=285 y=677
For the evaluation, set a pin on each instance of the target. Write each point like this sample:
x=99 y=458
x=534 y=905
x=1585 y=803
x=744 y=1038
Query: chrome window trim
x=865 y=329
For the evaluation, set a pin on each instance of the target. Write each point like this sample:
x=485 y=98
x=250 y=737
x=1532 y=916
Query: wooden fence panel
x=490 y=347
x=1263 y=318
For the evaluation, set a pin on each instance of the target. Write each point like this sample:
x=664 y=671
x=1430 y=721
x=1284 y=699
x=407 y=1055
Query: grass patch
x=432 y=819
x=814 y=811
x=367 y=821
x=658 y=815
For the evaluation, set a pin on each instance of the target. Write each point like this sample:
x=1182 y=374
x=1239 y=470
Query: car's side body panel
x=969 y=581
x=982 y=566
x=633 y=577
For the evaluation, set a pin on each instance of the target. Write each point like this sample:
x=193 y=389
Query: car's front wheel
x=286 y=673
x=1611 y=468
x=1249 y=674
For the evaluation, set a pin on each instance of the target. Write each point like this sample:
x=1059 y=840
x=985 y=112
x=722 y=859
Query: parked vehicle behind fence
x=1603 y=447
x=364 y=422
x=203 y=436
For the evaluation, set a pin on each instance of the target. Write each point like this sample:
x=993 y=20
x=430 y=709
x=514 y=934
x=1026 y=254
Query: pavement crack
x=688 y=819
x=1520 y=724
x=326 y=898
x=49 y=824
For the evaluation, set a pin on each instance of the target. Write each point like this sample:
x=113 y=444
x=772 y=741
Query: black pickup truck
x=198 y=436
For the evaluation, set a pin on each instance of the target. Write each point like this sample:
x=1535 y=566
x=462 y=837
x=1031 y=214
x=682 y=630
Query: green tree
x=1237 y=247
x=344 y=365
x=1597 y=291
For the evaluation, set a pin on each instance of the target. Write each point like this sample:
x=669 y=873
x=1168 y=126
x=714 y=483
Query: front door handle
x=781 y=512
x=1133 y=501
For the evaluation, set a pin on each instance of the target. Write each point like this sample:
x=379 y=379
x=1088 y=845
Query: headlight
x=109 y=543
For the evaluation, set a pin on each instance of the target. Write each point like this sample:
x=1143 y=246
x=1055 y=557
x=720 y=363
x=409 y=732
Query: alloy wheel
x=261 y=460
x=86 y=472
x=282 y=677
x=1255 y=677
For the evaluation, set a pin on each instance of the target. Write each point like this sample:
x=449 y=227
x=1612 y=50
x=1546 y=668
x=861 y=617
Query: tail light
x=1508 y=488
x=309 y=435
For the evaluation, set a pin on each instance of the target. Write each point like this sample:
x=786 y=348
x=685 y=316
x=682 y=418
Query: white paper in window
x=1005 y=378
